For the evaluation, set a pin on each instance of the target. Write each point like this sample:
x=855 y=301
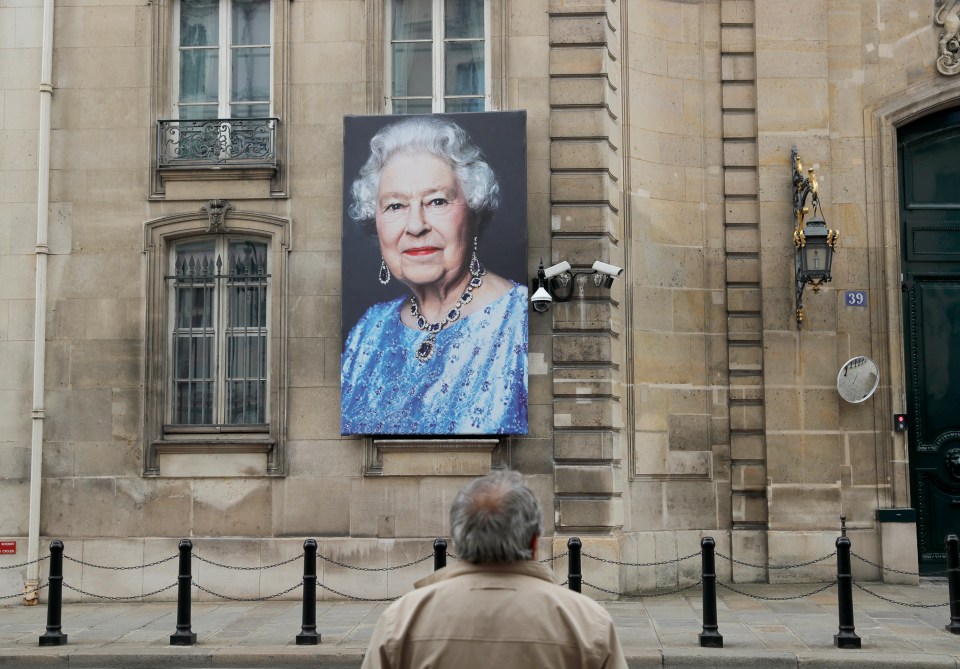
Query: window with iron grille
x=437 y=57
x=219 y=305
x=215 y=343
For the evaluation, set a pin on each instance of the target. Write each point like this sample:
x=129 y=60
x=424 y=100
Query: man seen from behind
x=498 y=607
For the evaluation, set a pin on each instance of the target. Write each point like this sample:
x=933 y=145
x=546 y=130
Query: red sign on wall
x=8 y=547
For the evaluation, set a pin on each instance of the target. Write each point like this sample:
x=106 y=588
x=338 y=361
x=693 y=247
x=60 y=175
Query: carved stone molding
x=947 y=17
x=217 y=214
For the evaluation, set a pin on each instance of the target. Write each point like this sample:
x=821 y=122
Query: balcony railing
x=249 y=142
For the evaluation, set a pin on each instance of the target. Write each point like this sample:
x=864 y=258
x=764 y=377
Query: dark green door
x=929 y=152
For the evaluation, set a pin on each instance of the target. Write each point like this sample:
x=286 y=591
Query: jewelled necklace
x=428 y=346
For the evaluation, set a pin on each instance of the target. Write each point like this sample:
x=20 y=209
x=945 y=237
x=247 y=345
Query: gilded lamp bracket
x=813 y=241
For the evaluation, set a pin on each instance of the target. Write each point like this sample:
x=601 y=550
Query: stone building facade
x=683 y=402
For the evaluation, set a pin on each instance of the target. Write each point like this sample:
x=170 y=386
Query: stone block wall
x=745 y=342
x=681 y=403
x=679 y=443
x=825 y=457
x=585 y=194
x=110 y=86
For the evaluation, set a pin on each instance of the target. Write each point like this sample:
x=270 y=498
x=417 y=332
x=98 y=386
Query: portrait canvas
x=434 y=269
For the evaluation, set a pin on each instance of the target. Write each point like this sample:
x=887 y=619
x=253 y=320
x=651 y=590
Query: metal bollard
x=953 y=582
x=710 y=637
x=184 y=636
x=846 y=636
x=308 y=632
x=439 y=554
x=574 y=577
x=54 y=636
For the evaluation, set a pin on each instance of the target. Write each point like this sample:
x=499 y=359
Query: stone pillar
x=585 y=191
x=744 y=304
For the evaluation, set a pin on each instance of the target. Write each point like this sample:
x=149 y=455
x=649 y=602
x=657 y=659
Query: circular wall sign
x=858 y=379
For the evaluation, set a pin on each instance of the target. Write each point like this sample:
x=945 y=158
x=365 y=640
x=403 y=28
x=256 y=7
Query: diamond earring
x=476 y=269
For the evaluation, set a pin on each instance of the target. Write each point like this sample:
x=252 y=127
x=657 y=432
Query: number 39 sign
x=855 y=298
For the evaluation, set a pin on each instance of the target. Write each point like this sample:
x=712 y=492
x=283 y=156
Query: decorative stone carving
x=947 y=16
x=217 y=214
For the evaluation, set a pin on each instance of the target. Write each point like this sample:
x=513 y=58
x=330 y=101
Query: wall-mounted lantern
x=556 y=283
x=814 y=242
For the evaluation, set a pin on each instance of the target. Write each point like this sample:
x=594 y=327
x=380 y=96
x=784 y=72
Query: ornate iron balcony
x=248 y=142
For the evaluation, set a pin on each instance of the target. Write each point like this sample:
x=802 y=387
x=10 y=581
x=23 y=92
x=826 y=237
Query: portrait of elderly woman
x=435 y=276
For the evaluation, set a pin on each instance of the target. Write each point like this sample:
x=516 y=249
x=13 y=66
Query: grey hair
x=494 y=519
x=436 y=136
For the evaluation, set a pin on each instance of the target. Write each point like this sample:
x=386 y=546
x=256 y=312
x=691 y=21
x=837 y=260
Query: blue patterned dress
x=475 y=383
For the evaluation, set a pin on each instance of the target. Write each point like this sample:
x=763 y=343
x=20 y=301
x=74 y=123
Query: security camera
x=609 y=270
x=541 y=300
x=559 y=268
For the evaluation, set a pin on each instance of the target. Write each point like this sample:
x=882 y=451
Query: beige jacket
x=490 y=615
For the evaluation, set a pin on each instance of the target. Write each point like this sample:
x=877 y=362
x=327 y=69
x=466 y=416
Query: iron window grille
x=219 y=343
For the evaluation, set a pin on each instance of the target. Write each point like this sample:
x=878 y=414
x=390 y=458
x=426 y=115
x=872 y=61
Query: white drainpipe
x=40 y=311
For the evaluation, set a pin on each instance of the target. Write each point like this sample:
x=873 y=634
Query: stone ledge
x=581 y=251
x=586 y=60
x=589 y=412
x=584 y=479
x=585 y=188
x=585 y=219
x=578 y=348
x=585 y=154
x=434 y=457
x=582 y=314
x=579 y=29
x=593 y=91
x=206 y=463
x=577 y=513
x=584 y=445
x=737 y=12
x=577 y=7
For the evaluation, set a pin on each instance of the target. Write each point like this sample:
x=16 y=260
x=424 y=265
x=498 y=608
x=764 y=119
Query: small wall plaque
x=8 y=547
x=855 y=298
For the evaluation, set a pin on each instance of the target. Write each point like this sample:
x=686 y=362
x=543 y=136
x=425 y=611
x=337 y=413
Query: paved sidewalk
x=657 y=632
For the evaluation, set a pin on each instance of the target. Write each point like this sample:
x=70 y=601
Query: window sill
x=206 y=458
x=434 y=457
x=193 y=431
x=233 y=183
x=219 y=446
x=215 y=172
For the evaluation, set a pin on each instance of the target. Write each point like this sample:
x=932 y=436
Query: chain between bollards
x=574 y=575
x=184 y=636
x=54 y=635
x=308 y=631
x=846 y=636
x=710 y=637
x=953 y=582
x=439 y=554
